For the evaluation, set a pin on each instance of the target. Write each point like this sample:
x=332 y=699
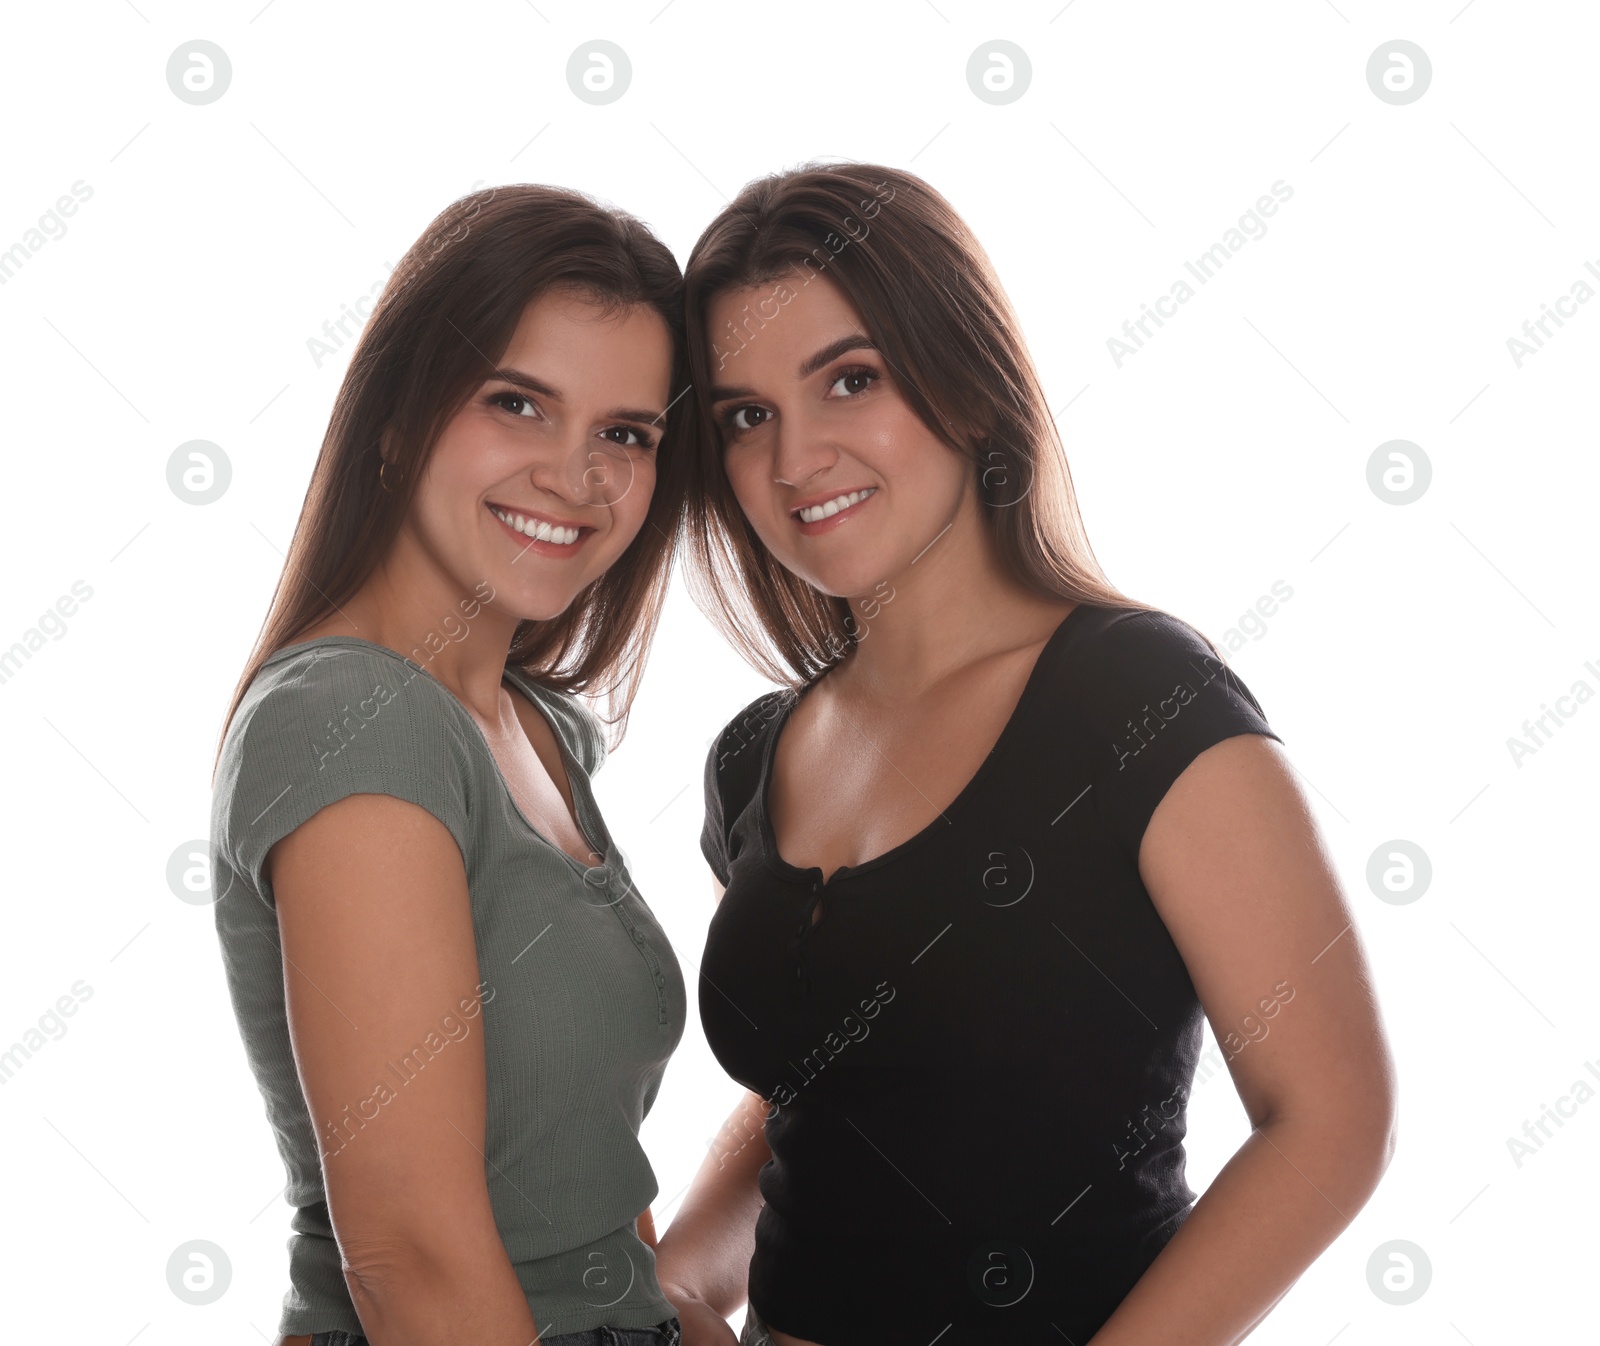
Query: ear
x=386 y=444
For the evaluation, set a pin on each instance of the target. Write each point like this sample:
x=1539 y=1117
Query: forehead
x=766 y=330
x=578 y=341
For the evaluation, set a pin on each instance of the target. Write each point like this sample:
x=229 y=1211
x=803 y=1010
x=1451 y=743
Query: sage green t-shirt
x=580 y=1000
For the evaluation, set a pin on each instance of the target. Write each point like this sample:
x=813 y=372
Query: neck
x=460 y=635
x=955 y=603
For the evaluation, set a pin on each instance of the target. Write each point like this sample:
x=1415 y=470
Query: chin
x=536 y=604
x=852 y=581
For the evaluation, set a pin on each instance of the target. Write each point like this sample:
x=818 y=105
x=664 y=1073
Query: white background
x=1229 y=453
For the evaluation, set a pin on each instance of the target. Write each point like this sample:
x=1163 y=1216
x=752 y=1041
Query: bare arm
x=379 y=957
x=703 y=1260
x=1235 y=866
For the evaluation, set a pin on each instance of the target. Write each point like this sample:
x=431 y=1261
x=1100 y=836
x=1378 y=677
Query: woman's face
x=544 y=476
x=812 y=419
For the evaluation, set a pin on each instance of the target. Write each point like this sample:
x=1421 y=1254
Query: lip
x=824 y=497
x=543 y=547
x=833 y=521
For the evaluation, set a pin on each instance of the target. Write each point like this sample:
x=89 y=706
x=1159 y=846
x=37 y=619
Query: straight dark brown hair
x=441 y=327
x=934 y=309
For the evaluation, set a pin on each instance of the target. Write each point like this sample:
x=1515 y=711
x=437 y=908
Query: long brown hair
x=445 y=317
x=934 y=309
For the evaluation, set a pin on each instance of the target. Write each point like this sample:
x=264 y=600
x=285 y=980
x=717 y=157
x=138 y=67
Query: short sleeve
x=1159 y=697
x=331 y=723
x=713 y=839
x=733 y=776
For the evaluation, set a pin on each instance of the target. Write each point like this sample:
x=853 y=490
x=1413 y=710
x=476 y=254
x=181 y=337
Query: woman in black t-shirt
x=997 y=843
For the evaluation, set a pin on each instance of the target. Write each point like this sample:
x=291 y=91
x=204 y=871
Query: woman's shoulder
x=733 y=771
x=324 y=691
x=749 y=728
x=733 y=757
x=332 y=717
x=1123 y=655
x=1146 y=694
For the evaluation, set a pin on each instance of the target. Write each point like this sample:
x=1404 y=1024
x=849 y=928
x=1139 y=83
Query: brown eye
x=850 y=382
x=516 y=403
x=628 y=437
x=761 y=415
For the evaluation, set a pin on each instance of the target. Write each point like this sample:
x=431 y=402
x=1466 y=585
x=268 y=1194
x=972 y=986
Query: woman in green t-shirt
x=455 y=1003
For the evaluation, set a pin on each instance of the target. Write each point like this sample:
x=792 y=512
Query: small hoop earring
x=383 y=479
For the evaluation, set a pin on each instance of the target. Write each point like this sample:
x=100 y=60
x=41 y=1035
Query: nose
x=803 y=448
x=584 y=470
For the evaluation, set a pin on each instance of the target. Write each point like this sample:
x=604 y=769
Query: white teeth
x=811 y=513
x=537 y=529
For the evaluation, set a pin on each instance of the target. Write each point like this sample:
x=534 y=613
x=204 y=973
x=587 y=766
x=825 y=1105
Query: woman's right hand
x=702 y=1325
x=703 y=1257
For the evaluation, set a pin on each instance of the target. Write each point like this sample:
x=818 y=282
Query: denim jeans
x=665 y=1333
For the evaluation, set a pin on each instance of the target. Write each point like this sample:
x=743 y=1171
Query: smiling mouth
x=828 y=508
x=538 y=529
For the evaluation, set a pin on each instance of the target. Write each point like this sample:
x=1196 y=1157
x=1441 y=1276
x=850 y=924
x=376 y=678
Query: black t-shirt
x=978 y=1059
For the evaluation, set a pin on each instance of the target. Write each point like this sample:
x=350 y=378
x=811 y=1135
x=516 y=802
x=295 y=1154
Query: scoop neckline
x=769 y=840
x=590 y=824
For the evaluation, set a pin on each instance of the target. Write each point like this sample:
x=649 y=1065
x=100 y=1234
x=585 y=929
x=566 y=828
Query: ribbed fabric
x=978 y=1060
x=582 y=999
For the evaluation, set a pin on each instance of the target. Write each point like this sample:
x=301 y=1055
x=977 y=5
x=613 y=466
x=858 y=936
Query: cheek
x=750 y=480
x=447 y=491
x=927 y=475
x=461 y=467
x=630 y=503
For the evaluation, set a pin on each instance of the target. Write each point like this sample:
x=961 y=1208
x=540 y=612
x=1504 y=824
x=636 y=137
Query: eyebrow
x=518 y=379
x=809 y=366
